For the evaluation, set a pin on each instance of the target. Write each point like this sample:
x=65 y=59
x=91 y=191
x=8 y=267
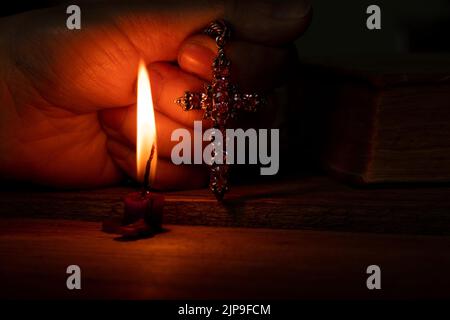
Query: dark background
x=339 y=27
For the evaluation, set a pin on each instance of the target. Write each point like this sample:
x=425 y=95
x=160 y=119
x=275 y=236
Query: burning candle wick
x=147 y=172
x=143 y=210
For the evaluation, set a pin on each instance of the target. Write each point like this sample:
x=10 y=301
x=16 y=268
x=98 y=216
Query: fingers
x=120 y=125
x=253 y=66
x=169 y=83
x=95 y=67
x=168 y=176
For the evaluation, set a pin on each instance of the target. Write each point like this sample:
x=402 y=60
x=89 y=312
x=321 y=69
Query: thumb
x=269 y=22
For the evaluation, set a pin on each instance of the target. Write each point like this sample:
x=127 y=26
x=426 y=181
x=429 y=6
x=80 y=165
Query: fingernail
x=197 y=58
x=291 y=9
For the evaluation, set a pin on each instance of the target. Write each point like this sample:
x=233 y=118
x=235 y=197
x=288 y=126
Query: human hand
x=68 y=115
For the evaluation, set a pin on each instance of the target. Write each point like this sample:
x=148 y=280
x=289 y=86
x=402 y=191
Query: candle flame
x=146 y=125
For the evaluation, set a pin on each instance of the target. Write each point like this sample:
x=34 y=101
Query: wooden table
x=302 y=238
x=194 y=262
x=317 y=203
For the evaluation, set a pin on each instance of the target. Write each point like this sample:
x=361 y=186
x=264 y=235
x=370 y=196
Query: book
x=380 y=119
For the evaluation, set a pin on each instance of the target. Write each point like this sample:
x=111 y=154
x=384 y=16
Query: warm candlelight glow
x=146 y=125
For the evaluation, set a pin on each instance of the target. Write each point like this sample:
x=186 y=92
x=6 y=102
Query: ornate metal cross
x=221 y=101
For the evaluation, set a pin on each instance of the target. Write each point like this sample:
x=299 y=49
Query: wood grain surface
x=318 y=203
x=194 y=262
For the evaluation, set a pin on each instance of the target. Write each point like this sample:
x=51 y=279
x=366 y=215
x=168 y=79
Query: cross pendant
x=221 y=101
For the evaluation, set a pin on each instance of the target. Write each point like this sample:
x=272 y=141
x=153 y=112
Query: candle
x=143 y=209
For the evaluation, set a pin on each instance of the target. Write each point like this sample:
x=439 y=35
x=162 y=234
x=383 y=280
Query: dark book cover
x=384 y=119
